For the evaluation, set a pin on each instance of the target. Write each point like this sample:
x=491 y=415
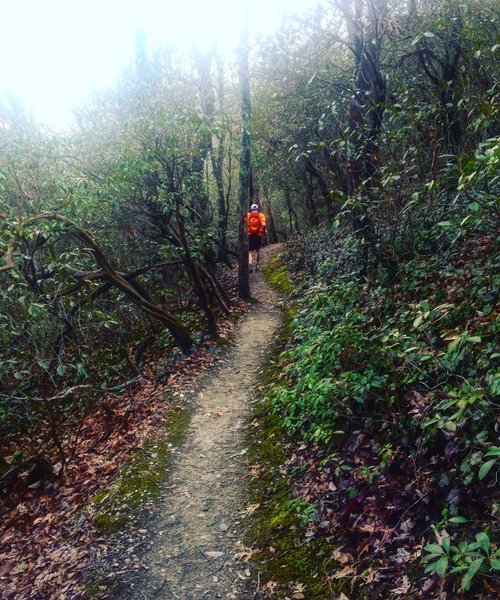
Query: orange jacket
x=256 y=222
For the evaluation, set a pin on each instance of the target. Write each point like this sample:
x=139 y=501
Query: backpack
x=254 y=222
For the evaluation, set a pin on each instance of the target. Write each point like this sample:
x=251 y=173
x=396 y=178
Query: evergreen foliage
x=375 y=152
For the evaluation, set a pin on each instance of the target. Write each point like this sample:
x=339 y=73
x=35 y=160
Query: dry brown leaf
x=245 y=554
x=364 y=550
x=341 y=557
x=270 y=587
x=347 y=571
x=403 y=587
x=251 y=509
x=366 y=528
x=298 y=591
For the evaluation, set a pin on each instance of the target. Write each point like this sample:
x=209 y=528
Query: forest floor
x=194 y=548
x=152 y=504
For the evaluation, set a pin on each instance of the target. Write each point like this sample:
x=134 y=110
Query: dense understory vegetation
x=389 y=395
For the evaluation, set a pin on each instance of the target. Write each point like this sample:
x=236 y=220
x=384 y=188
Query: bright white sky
x=53 y=53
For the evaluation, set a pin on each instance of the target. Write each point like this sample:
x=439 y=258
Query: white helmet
x=254 y=207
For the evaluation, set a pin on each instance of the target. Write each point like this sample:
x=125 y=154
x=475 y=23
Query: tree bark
x=292 y=215
x=245 y=163
x=365 y=23
x=194 y=272
x=271 y=226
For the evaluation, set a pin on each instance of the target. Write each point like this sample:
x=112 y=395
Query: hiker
x=256 y=222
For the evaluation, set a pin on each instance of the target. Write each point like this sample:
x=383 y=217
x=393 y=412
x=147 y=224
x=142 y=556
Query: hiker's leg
x=257 y=252
x=252 y=247
x=251 y=260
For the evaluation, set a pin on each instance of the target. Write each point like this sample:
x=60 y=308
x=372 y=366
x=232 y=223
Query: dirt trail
x=194 y=553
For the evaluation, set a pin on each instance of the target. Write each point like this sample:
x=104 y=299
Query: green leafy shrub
x=466 y=559
x=419 y=357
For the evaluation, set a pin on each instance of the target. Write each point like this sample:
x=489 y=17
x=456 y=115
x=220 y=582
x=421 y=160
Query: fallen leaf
x=364 y=550
x=20 y=568
x=403 y=587
x=345 y=572
x=251 y=509
x=341 y=557
x=214 y=554
x=270 y=587
x=245 y=554
x=298 y=592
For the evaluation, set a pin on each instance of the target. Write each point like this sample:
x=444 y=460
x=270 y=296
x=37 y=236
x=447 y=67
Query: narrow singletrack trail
x=194 y=551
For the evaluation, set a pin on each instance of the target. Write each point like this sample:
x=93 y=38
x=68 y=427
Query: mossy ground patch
x=141 y=478
x=277 y=527
x=276 y=274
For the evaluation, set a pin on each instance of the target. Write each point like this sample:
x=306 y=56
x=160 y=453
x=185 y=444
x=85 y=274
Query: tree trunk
x=218 y=291
x=313 y=172
x=216 y=153
x=365 y=24
x=292 y=215
x=271 y=226
x=194 y=272
x=311 y=207
x=245 y=164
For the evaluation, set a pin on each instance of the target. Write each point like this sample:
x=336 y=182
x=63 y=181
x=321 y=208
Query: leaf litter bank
x=50 y=546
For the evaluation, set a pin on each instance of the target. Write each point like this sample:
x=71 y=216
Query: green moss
x=141 y=478
x=276 y=274
x=276 y=527
x=111 y=523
